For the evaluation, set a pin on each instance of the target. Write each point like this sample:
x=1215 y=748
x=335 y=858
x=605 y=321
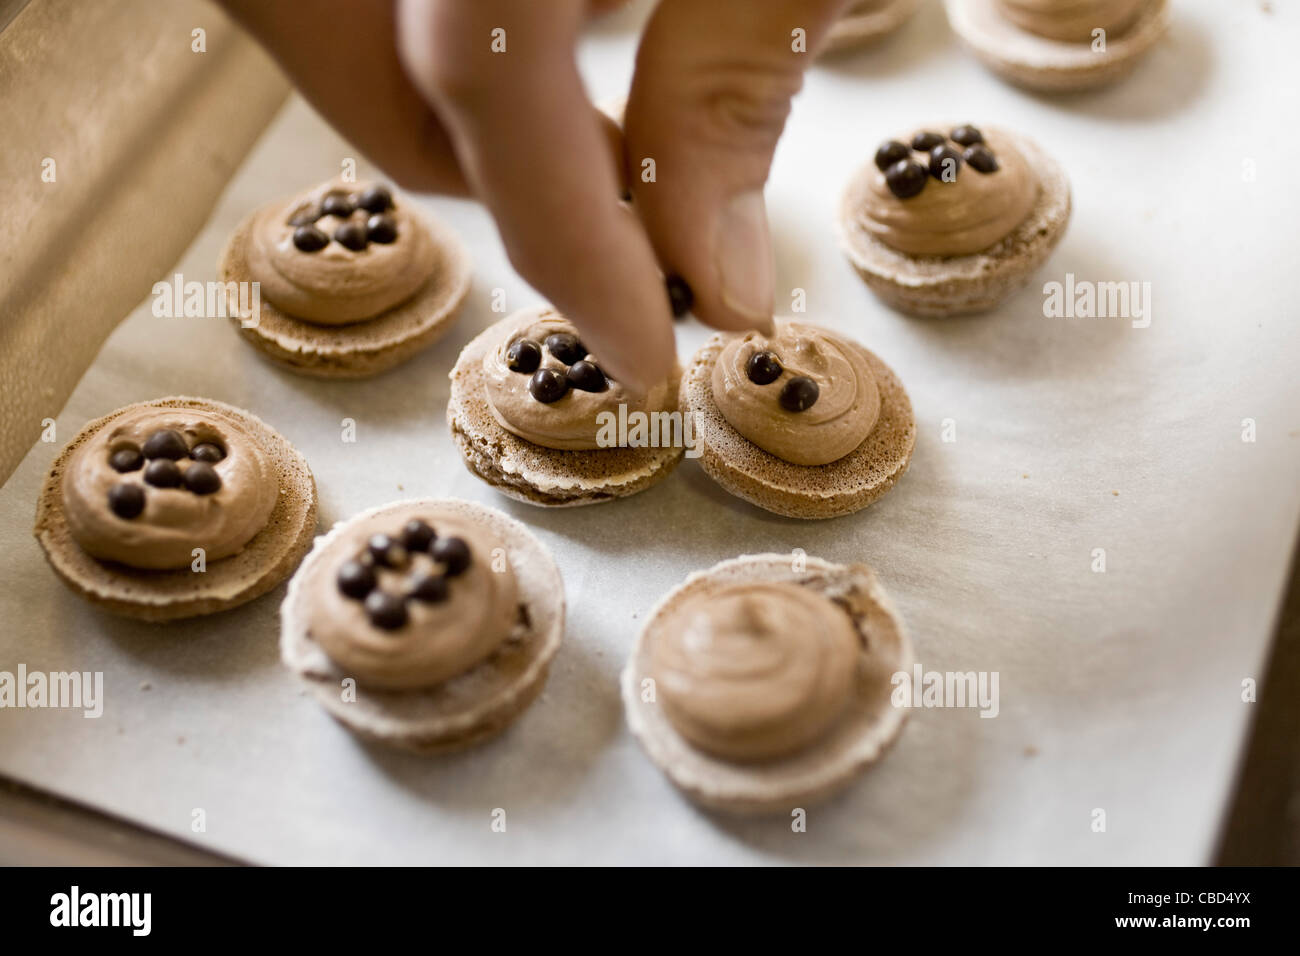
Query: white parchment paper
x=1119 y=691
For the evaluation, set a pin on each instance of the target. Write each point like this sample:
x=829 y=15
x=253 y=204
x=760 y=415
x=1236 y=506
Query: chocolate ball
x=799 y=394
x=337 y=204
x=305 y=216
x=126 y=458
x=381 y=228
x=309 y=239
x=763 y=368
x=162 y=473
x=548 y=385
x=905 y=178
x=387 y=551
x=453 y=553
x=927 y=141
x=966 y=135
x=127 y=501
x=680 y=296
x=565 y=347
x=429 y=587
x=356 y=580
x=375 y=199
x=166 y=443
x=208 y=451
x=945 y=162
x=524 y=355
x=351 y=235
x=980 y=157
x=417 y=535
x=587 y=377
x=890 y=152
x=202 y=479
x=385 y=610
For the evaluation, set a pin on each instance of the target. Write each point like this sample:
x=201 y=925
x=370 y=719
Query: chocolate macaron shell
x=466 y=709
x=959 y=285
x=357 y=349
x=1053 y=66
x=855 y=30
x=861 y=735
x=152 y=595
x=800 y=491
x=527 y=472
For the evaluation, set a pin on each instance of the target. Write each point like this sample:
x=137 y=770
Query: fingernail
x=743 y=257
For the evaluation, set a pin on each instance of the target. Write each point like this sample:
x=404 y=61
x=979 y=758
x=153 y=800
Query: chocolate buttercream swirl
x=174 y=519
x=846 y=407
x=754 y=671
x=1072 y=20
x=332 y=283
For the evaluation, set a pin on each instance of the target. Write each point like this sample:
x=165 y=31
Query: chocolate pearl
x=356 y=580
x=375 y=199
x=202 y=479
x=417 y=535
x=927 y=141
x=763 y=368
x=945 y=162
x=524 y=355
x=305 y=216
x=381 y=228
x=548 y=385
x=453 y=553
x=310 y=239
x=337 y=204
x=387 y=551
x=799 y=394
x=587 y=377
x=967 y=135
x=208 y=451
x=429 y=587
x=127 y=501
x=385 y=610
x=890 y=152
x=565 y=347
x=165 y=443
x=126 y=458
x=905 y=178
x=162 y=473
x=352 y=235
x=980 y=157
x=680 y=296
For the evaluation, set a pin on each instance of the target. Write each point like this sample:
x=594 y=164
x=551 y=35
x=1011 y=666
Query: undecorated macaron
x=352 y=280
x=746 y=704
x=956 y=284
x=1049 y=65
x=486 y=392
x=128 y=501
x=427 y=625
x=867 y=468
x=868 y=21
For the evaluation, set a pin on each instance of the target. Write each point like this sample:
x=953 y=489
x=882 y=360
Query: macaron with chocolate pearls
x=428 y=625
x=535 y=415
x=951 y=218
x=353 y=279
x=174 y=508
x=1066 y=49
x=767 y=739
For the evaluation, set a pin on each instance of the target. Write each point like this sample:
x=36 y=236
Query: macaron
x=1053 y=63
x=174 y=508
x=427 y=625
x=1018 y=188
x=765 y=683
x=350 y=278
x=868 y=21
x=868 y=443
x=546 y=424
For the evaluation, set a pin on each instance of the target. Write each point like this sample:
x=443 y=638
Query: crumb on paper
x=1031 y=751
x=145 y=685
x=1115 y=493
x=1025 y=475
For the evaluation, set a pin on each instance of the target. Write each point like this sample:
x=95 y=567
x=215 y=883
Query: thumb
x=708 y=103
